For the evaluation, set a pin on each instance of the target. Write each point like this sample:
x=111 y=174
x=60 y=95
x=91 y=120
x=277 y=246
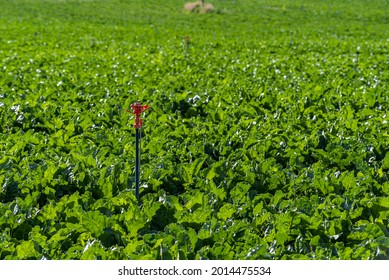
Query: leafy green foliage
x=267 y=137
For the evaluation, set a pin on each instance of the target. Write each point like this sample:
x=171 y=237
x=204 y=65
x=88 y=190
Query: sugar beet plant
x=267 y=139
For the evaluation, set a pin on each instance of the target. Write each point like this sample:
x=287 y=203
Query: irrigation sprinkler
x=187 y=41
x=137 y=109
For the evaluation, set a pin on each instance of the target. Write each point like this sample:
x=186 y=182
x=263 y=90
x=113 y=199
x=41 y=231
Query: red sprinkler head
x=137 y=109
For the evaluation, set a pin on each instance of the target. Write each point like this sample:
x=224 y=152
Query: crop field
x=267 y=136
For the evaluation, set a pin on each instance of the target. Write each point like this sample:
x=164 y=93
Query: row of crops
x=267 y=136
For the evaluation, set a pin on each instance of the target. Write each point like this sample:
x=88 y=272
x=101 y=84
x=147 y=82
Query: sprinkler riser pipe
x=137 y=162
x=137 y=110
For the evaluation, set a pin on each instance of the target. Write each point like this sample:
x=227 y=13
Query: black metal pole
x=137 y=162
x=137 y=110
